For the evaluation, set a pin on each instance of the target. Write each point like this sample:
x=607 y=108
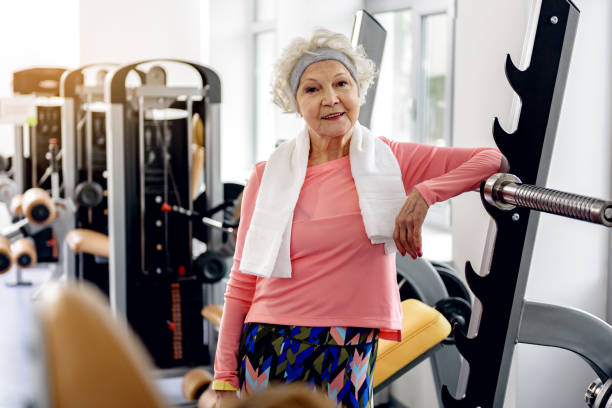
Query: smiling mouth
x=333 y=115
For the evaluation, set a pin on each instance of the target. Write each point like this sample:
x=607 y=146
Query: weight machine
x=153 y=281
x=502 y=317
x=31 y=163
x=84 y=165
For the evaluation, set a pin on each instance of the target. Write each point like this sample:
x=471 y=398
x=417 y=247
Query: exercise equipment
x=502 y=317
x=15 y=205
x=40 y=213
x=23 y=252
x=6 y=258
x=149 y=151
x=507 y=192
x=33 y=137
x=85 y=164
x=196 y=386
x=106 y=366
x=422 y=280
x=37 y=122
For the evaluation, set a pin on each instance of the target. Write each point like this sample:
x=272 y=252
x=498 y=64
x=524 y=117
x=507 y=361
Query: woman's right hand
x=225 y=398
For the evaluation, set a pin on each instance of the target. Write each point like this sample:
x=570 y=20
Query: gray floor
x=22 y=368
x=21 y=358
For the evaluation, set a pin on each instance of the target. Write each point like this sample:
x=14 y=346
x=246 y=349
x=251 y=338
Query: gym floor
x=22 y=380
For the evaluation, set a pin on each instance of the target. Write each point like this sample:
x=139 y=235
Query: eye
x=343 y=83
x=309 y=89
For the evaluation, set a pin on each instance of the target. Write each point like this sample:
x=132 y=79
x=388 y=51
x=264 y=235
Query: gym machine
x=84 y=165
x=153 y=280
x=31 y=161
x=38 y=211
x=31 y=167
x=501 y=317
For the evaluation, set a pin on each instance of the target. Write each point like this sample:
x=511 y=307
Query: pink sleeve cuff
x=426 y=193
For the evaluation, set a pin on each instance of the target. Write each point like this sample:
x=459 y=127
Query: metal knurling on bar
x=505 y=191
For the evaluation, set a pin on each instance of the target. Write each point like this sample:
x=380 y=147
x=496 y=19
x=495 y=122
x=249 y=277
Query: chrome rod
x=505 y=191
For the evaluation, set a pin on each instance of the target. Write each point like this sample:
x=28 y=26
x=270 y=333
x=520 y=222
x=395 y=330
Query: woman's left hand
x=408 y=223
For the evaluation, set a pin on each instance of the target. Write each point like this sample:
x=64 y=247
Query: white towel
x=379 y=185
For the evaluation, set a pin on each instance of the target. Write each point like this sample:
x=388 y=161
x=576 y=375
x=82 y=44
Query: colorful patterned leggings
x=337 y=360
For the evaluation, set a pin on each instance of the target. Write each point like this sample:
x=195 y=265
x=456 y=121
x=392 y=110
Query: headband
x=320 y=54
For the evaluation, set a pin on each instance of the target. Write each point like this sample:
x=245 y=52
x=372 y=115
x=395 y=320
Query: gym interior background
x=464 y=43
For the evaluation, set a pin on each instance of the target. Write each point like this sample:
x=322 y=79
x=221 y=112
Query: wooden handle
x=208 y=399
x=6 y=259
x=24 y=253
x=38 y=207
x=196 y=169
x=197 y=126
x=213 y=313
x=15 y=205
x=88 y=241
x=194 y=383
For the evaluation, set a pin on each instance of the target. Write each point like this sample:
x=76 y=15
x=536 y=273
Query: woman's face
x=328 y=99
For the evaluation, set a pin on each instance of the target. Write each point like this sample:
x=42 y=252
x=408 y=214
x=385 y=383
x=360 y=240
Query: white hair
x=282 y=94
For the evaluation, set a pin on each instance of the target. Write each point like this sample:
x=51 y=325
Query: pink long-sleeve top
x=338 y=277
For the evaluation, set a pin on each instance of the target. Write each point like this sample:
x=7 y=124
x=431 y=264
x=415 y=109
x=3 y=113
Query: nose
x=329 y=96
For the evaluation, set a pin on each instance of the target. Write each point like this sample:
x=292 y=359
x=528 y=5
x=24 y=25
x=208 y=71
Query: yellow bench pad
x=422 y=328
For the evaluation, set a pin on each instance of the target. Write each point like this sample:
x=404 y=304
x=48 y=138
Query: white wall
x=35 y=33
x=229 y=53
x=71 y=33
x=126 y=31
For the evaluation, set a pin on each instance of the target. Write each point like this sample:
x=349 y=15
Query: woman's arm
x=432 y=174
x=439 y=173
x=238 y=296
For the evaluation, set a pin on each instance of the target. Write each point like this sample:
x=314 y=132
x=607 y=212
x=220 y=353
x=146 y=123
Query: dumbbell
x=15 y=205
x=6 y=259
x=24 y=253
x=89 y=194
x=38 y=207
x=196 y=387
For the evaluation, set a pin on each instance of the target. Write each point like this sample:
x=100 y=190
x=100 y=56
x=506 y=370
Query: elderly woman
x=313 y=286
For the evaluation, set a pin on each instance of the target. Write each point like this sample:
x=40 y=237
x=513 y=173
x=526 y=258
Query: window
x=415 y=82
x=264 y=54
x=414 y=95
x=433 y=79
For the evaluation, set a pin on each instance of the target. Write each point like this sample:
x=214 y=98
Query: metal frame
x=495 y=325
x=125 y=252
x=371 y=35
x=116 y=208
x=429 y=287
x=18 y=160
